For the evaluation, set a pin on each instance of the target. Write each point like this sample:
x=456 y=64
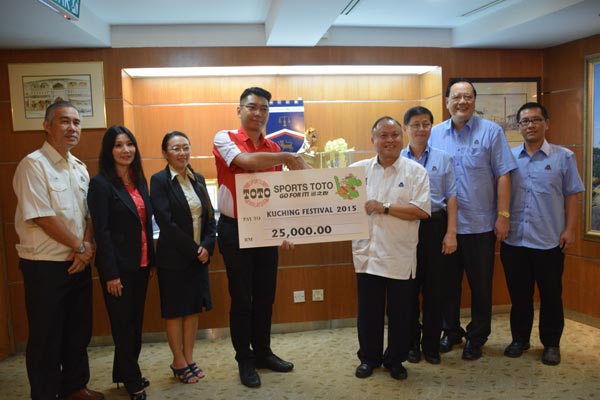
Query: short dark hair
x=257 y=92
x=417 y=110
x=459 y=80
x=52 y=107
x=385 y=118
x=106 y=160
x=532 y=104
x=171 y=135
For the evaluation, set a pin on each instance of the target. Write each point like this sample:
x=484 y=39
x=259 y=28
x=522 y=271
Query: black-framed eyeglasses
x=535 y=121
x=417 y=126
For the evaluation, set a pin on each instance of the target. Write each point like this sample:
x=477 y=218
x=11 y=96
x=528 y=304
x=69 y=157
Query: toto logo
x=256 y=193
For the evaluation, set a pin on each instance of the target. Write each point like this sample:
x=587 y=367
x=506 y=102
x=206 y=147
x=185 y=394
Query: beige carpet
x=325 y=361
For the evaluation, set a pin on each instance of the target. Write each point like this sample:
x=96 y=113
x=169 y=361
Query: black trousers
x=126 y=314
x=475 y=257
x=374 y=294
x=252 y=276
x=432 y=276
x=59 y=313
x=523 y=268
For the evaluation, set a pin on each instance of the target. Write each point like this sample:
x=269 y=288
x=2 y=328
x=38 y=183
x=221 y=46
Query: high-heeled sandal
x=196 y=370
x=185 y=374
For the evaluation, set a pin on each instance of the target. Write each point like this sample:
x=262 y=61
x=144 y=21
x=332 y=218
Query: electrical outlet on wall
x=318 y=295
x=299 y=296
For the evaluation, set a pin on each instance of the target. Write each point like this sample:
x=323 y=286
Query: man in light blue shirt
x=543 y=221
x=482 y=165
x=437 y=235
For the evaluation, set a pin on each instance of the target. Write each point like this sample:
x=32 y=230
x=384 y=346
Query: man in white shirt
x=386 y=262
x=52 y=222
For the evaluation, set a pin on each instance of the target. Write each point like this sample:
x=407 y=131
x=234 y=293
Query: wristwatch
x=386 y=208
x=81 y=248
x=504 y=214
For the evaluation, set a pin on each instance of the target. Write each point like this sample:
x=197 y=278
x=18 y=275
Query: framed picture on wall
x=33 y=87
x=498 y=100
x=591 y=127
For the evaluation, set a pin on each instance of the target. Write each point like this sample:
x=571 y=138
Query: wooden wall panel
x=13 y=273
x=18 y=313
x=338 y=283
x=566 y=125
x=176 y=91
x=580 y=285
x=200 y=123
x=190 y=90
x=431 y=84
x=432 y=93
x=127 y=87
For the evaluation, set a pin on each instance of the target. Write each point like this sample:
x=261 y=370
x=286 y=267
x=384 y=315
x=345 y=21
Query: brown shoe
x=85 y=394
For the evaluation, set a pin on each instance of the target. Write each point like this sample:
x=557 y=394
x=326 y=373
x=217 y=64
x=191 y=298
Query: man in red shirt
x=252 y=273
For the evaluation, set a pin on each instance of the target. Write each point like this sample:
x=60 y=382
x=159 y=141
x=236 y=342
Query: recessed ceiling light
x=281 y=70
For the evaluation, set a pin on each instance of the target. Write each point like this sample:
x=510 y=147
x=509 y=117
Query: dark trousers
x=126 y=314
x=252 y=276
x=475 y=257
x=374 y=293
x=59 y=313
x=432 y=276
x=523 y=268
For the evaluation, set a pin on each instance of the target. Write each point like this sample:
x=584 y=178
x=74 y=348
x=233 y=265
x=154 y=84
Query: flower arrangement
x=336 y=150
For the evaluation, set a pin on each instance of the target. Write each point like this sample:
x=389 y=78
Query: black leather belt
x=227 y=219
x=438 y=214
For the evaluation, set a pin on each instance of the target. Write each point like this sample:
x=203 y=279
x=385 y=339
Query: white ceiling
x=26 y=24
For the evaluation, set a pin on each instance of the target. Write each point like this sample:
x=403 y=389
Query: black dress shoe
x=274 y=363
x=414 y=356
x=138 y=396
x=516 y=349
x=363 y=371
x=447 y=342
x=551 y=355
x=432 y=358
x=398 y=373
x=471 y=351
x=248 y=375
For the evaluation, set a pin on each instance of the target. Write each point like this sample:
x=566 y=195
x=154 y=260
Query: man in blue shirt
x=482 y=165
x=437 y=235
x=542 y=226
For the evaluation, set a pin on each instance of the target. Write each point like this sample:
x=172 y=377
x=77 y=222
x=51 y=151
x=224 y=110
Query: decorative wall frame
x=33 y=87
x=498 y=100
x=591 y=129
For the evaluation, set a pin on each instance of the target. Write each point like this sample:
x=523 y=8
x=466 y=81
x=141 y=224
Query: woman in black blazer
x=187 y=225
x=121 y=213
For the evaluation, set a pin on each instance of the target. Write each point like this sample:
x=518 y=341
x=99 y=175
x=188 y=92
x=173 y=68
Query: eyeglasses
x=252 y=108
x=177 y=149
x=415 y=126
x=526 y=122
x=466 y=97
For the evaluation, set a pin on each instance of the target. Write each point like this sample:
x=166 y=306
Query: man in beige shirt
x=55 y=250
